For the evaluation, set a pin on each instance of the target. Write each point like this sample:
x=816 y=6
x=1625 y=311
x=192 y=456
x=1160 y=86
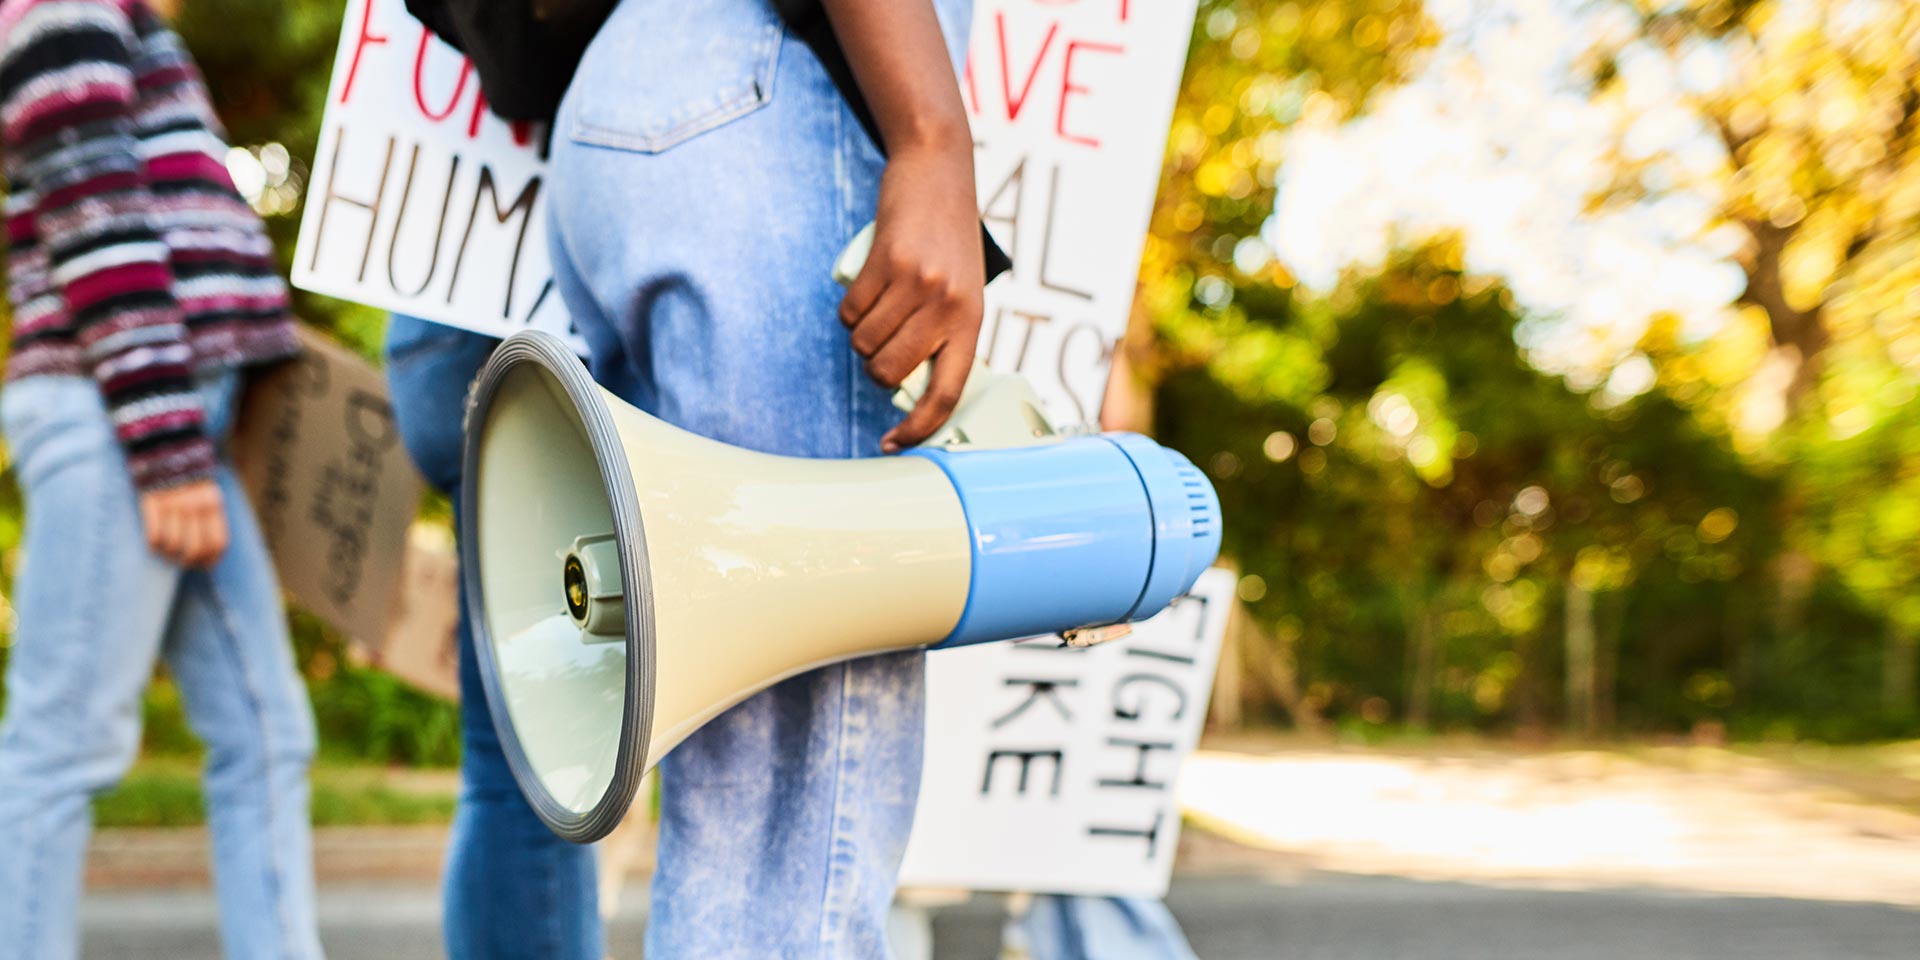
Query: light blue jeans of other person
x=513 y=890
x=95 y=609
x=705 y=174
x=1094 y=928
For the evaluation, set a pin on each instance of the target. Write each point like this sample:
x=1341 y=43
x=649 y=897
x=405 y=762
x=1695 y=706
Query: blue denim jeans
x=513 y=889
x=705 y=174
x=1092 y=928
x=96 y=609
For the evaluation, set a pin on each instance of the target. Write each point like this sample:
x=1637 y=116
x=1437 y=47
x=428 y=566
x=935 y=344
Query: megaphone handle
x=845 y=268
x=913 y=386
x=853 y=256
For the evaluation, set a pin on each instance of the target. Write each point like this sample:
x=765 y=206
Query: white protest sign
x=1051 y=769
x=421 y=200
x=1070 y=101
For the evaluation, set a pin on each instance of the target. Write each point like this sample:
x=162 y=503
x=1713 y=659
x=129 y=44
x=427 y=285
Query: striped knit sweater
x=131 y=257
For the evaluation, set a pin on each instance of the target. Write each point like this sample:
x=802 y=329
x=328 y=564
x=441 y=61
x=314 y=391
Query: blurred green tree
x=1415 y=505
x=1430 y=529
x=1816 y=104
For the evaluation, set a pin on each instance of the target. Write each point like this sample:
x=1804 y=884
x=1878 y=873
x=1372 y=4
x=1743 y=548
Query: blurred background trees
x=1593 y=410
x=1461 y=497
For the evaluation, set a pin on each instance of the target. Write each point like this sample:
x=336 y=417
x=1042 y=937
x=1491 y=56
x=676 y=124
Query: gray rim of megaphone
x=551 y=354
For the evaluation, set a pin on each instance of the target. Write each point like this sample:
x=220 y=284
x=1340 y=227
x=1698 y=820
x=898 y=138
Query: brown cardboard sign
x=320 y=454
x=420 y=646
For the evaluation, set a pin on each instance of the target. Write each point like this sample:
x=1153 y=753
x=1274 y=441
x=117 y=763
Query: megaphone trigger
x=853 y=257
x=915 y=386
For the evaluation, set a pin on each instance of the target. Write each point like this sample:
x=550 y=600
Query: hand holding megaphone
x=994 y=410
x=894 y=316
x=627 y=580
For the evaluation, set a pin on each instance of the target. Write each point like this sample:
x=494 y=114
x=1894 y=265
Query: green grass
x=165 y=792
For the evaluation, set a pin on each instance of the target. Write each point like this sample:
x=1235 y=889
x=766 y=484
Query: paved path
x=1703 y=822
x=1313 y=917
x=1341 y=853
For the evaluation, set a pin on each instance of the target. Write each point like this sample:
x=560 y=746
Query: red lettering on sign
x=479 y=111
x=360 y=44
x=1068 y=87
x=420 y=86
x=521 y=130
x=1013 y=104
x=973 y=90
x=1125 y=6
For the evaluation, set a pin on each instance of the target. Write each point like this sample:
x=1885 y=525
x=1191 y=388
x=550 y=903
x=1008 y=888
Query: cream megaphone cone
x=627 y=580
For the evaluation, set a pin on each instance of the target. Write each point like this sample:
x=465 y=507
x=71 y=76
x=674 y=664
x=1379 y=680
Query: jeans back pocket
x=661 y=73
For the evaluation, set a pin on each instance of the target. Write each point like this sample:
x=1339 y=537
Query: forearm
x=918 y=296
x=900 y=60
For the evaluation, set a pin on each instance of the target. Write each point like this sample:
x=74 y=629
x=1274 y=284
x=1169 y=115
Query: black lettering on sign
x=1144 y=751
x=330 y=196
x=1046 y=241
x=1048 y=688
x=1088 y=408
x=370 y=422
x=1026 y=335
x=522 y=207
x=534 y=311
x=1026 y=758
x=439 y=227
x=1152 y=654
x=304 y=378
x=1134 y=709
x=348 y=488
x=1151 y=833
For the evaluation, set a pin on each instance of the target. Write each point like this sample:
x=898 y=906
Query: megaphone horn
x=627 y=580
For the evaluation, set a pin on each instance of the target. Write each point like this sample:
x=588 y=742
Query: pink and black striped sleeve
x=68 y=101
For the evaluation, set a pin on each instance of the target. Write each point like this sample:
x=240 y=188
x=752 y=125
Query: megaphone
x=627 y=581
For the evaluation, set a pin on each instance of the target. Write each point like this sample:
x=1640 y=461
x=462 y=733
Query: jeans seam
x=830 y=896
x=249 y=689
x=843 y=184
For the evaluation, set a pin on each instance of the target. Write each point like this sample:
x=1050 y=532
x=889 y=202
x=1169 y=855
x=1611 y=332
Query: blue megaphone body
x=1078 y=532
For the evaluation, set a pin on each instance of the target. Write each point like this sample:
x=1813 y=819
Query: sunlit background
x=1557 y=364
x=1556 y=360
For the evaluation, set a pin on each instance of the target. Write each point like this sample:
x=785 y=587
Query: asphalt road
x=1320 y=917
